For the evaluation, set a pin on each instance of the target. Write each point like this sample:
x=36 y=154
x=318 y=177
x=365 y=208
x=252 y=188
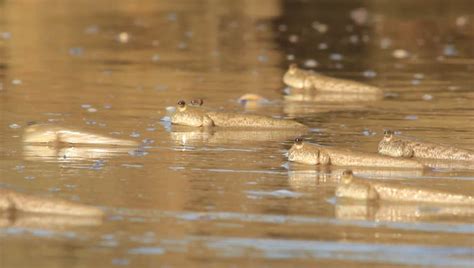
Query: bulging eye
x=181 y=103
x=387 y=133
x=347 y=172
x=197 y=102
x=299 y=140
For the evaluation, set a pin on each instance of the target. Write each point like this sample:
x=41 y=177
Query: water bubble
x=92 y=110
x=19 y=168
x=76 y=51
x=92 y=29
x=182 y=45
x=54 y=189
x=16 y=82
x=360 y=16
x=86 y=106
x=320 y=27
x=155 y=58
x=368 y=132
x=369 y=73
x=311 y=63
x=415 y=82
x=400 y=54
x=14 y=126
x=161 y=87
x=123 y=37
x=6 y=35
x=322 y=46
x=262 y=58
x=172 y=17
x=385 y=43
x=132 y=165
x=462 y=21
x=147 y=251
x=450 y=50
x=427 y=97
x=98 y=164
x=120 y=261
x=419 y=76
x=138 y=152
x=282 y=28
x=335 y=57
x=293 y=38
x=135 y=134
x=354 y=39
x=148 y=141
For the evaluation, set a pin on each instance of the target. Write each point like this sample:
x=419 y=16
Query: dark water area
x=190 y=197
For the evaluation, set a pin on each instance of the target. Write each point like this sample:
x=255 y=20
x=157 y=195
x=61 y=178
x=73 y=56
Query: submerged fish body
x=198 y=117
x=363 y=189
x=299 y=78
x=396 y=146
x=14 y=201
x=313 y=154
x=46 y=133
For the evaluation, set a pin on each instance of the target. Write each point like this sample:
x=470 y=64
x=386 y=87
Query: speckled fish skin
x=198 y=117
x=248 y=120
x=403 y=147
x=15 y=201
x=313 y=154
x=364 y=189
x=306 y=79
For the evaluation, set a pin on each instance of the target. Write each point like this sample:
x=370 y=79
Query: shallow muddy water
x=188 y=197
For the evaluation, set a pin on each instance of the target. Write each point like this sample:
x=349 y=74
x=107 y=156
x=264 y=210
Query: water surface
x=186 y=197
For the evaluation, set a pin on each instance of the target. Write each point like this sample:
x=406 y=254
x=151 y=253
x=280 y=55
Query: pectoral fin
x=207 y=121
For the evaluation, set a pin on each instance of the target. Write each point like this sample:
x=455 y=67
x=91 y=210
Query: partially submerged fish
x=313 y=154
x=53 y=134
x=397 y=146
x=12 y=201
x=299 y=78
x=196 y=116
x=363 y=189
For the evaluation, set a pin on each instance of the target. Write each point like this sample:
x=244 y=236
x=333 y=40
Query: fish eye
x=198 y=102
x=181 y=103
x=387 y=133
x=299 y=140
x=347 y=172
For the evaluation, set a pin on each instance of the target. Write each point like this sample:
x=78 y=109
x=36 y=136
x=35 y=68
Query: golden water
x=191 y=198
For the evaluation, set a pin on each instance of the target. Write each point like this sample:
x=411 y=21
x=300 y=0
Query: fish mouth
x=170 y=111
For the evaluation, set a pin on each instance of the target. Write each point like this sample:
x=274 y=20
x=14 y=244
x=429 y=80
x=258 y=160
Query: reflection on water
x=103 y=72
x=184 y=135
x=383 y=212
x=45 y=221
